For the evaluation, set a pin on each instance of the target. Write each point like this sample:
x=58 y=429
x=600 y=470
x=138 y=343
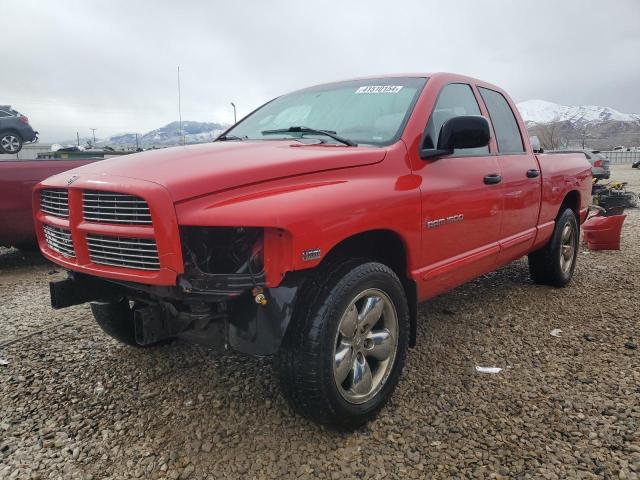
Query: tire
x=116 y=319
x=555 y=263
x=323 y=330
x=10 y=142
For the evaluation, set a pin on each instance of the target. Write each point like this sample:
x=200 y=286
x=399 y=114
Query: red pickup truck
x=313 y=227
x=17 y=179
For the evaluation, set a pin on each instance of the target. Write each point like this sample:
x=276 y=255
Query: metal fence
x=29 y=151
x=618 y=157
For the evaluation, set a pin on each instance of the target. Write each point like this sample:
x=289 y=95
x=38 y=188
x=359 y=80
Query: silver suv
x=599 y=162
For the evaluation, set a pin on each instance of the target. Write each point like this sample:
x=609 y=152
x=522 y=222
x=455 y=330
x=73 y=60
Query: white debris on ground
x=488 y=369
x=556 y=332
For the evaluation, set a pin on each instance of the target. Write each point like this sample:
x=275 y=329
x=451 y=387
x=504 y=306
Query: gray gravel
x=75 y=404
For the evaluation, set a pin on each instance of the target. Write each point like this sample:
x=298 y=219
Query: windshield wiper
x=223 y=138
x=328 y=133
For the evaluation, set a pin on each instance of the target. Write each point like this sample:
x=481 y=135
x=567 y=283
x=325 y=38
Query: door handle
x=533 y=173
x=492 y=179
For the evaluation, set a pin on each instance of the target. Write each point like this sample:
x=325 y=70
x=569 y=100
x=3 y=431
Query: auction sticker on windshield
x=379 y=89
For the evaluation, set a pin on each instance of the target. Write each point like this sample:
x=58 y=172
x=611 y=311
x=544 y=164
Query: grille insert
x=55 y=202
x=59 y=240
x=140 y=253
x=110 y=207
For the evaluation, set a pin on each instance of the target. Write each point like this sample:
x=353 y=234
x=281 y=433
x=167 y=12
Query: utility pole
x=235 y=120
x=94 y=135
x=137 y=146
x=78 y=137
x=179 y=107
x=584 y=135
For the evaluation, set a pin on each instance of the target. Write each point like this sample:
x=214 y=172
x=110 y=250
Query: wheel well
x=386 y=247
x=572 y=201
x=10 y=130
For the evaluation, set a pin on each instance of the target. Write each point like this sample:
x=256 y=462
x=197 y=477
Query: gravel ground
x=75 y=404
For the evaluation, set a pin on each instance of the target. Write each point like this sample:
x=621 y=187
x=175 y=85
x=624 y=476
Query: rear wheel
x=10 y=142
x=346 y=347
x=554 y=263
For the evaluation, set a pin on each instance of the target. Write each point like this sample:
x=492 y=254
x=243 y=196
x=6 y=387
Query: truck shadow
x=13 y=259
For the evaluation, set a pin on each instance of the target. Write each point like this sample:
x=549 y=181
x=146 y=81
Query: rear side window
x=504 y=122
x=4 y=114
x=454 y=100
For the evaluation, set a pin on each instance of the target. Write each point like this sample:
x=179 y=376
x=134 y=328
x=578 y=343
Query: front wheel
x=554 y=263
x=10 y=142
x=343 y=356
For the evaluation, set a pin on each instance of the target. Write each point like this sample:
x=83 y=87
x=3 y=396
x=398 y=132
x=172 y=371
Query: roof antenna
x=179 y=108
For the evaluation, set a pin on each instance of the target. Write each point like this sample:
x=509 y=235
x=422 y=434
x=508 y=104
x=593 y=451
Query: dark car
x=14 y=130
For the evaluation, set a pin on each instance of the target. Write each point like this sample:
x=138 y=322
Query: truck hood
x=195 y=170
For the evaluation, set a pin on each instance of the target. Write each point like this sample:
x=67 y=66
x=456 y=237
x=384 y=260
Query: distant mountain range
x=589 y=125
x=595 y=127
x=541 y=111
x=193 y=132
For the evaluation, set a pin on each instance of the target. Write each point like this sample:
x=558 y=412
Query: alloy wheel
x=567 y=247
x=365 y=346
x=10 y=143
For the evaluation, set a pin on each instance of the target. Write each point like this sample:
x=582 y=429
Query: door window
x=454 y=100
x=504 y=122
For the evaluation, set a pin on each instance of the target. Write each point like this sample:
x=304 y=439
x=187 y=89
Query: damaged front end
x=221 y=300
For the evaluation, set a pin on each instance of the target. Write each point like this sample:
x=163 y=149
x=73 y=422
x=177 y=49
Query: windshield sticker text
x=379 y=89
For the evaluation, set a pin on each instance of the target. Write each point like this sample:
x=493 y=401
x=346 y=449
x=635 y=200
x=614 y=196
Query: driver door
x=461 y=200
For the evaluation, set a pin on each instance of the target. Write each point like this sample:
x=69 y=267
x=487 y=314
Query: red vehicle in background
x=17 y=179
x=312 y=229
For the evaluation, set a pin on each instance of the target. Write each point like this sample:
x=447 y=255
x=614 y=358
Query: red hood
x=194 y=170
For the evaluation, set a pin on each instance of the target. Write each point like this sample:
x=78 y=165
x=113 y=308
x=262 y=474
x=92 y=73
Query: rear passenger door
x=521 y=180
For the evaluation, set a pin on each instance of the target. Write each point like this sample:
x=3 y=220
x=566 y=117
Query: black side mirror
x=464 y=131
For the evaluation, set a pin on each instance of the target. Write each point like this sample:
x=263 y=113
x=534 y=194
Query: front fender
x=314 y=213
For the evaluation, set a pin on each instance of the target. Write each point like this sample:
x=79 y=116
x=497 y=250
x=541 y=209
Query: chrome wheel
x=567 y=247
x=10 y=143
x=365 y=346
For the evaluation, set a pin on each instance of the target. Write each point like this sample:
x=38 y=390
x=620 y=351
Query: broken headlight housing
x=222 y=259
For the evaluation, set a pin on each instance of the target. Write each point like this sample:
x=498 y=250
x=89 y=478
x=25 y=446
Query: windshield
x=371 y=111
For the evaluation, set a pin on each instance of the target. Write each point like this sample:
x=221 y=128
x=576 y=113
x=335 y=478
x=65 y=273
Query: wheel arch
x=571 y=200
x=389 y=248
x=11 y=130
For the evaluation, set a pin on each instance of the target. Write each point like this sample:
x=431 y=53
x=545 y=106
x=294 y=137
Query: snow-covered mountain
x=193 y=132
x=541 y=111
x=578 y=127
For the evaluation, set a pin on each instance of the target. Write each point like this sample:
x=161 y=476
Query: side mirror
x=535 y=144
x=464 y=131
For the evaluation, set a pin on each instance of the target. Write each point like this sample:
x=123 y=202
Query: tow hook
x=258 y=296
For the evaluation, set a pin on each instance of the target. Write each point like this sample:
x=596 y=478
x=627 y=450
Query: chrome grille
x=110 y=207
x=59 y=240
x=140 y=253
x=55 y=202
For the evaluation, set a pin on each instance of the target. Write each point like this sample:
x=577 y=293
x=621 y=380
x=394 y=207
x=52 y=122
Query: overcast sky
x=111 y=65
